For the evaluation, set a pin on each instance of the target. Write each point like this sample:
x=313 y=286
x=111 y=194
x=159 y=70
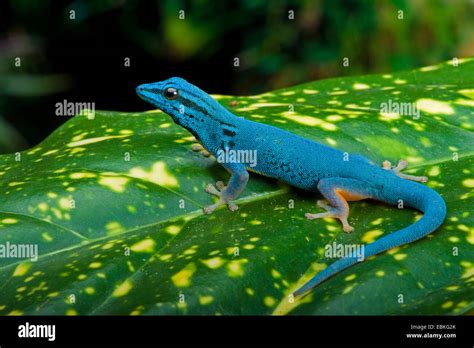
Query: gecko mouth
x=141 y=91
x=146 y=95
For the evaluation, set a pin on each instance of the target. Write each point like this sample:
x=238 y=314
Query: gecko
x=303 y=163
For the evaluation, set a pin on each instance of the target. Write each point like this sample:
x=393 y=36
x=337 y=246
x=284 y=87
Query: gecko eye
x=171 y=93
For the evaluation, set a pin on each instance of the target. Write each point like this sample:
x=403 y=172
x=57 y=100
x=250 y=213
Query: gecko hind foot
x=331 y=212
x=402 y=164
x=324 y=204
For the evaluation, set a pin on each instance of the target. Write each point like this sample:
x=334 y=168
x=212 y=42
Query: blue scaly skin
x=299 y=162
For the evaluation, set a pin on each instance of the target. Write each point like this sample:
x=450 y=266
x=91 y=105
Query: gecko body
x=300 y=162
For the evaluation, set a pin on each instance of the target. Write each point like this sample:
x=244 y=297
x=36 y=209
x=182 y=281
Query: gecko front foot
x=402 y=164
x=219 y=191
x=215 y=190
x=331 y=212
x=197 y=147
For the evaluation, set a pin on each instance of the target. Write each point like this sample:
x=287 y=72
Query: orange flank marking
x=349 y=196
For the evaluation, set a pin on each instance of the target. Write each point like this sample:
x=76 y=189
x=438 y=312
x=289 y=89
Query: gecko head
x=184 y=102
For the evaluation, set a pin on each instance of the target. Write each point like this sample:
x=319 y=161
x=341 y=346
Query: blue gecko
x=300 y=162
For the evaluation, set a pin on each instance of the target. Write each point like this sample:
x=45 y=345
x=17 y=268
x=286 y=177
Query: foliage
x=114 y=204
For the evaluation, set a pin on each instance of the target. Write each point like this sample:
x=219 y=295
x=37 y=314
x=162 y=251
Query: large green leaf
x=114 y=205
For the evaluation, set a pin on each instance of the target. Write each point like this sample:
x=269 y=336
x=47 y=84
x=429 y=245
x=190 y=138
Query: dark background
x=82 y=59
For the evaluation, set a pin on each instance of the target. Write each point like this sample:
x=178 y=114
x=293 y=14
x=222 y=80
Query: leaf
x=114 y=205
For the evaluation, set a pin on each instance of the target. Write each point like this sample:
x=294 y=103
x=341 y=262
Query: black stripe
x=194 y=106
x=229 y=132
x=198 y=97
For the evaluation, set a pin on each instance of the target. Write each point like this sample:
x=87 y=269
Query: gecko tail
x=434 y=209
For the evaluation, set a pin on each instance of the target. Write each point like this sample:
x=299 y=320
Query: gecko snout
x=140 y=88
x=144 y=91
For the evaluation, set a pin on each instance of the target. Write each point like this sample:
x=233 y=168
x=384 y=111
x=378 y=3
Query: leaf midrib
x=195 y=213
x=187 y=216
